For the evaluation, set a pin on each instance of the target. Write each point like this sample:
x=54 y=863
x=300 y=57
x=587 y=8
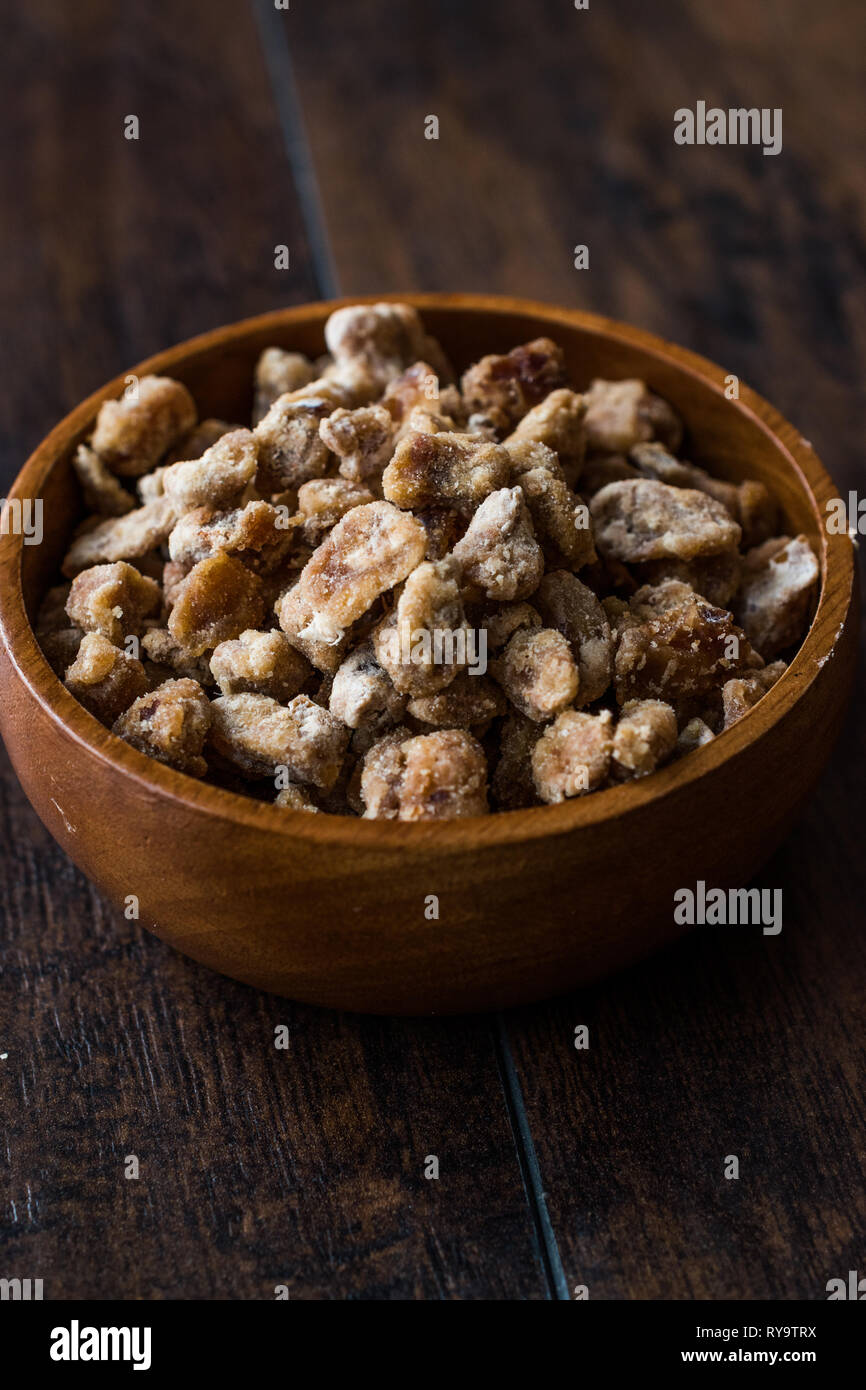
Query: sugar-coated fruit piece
x=170 y=724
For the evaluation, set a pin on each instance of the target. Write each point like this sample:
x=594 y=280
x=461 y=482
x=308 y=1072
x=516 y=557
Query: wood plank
x=257 y=1166
x=556 y=128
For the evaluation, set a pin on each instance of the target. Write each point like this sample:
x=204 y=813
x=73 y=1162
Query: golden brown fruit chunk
x=132 y=434
x=103 y=678
x=620 y=414
x=468 y=700
x=256 y=736
x=322 y=502
x=499 y=554
x=572 y=608
x=775 y=598
x=112 y=599
x=362 y=694
x=374 y=343
x=102 y=492
x=741 y=694
x=362 y=439
x=259 y=663
x=434 y=776
x=645 y=520
x=165 y=651
x=369 y=551
x=122 y=538
x=573 y=756
x=558 y=422
x=430 y=470
x=257 y=534
x=217 y=478
x=562 y=521
x=537 y=672
x=290 y=449
x=682 y=654
x=645 y=736
x=506 y=387
x=170 y=724
x=278 y=372
x=219 y=599
x=749 y=503
x=423 y=643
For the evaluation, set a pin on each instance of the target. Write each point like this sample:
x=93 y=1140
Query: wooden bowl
x=331 y=910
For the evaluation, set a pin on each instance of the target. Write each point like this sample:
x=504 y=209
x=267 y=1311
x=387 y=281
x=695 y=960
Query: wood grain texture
x=556 y=128
x=257 y=1166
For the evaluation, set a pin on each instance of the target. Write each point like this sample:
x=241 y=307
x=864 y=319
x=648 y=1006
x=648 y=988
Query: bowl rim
x=500 y=828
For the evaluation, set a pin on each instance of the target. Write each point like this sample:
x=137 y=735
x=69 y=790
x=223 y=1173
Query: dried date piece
x=113 y=600
x=620 y=414
x=290 y=447
x=322 y=502
x=467 y=702
x=435 y=776
x=373 y=548
x=741 y=694
x=132 y=434
x=218 y=478
x=430 y=470
x=170 y=724
x=646 y=520
x=258 y=534
x=775 y=598
x=362 y=439
x=103 y=678
x=362 y=694
x=171 y=658
x=260 y=663
x=682 y=655
x=645 y=737
x=558 y=422
x=255 y=735
x=572 y=608
x=562 y=521
x=102 y=491
x=573 y=755
x=537 y=672
x=505 y=388
x=277 y=373
x=372 y=344
x=122 y=538
x=425 y=641
x=499 y=555
x=218 y=600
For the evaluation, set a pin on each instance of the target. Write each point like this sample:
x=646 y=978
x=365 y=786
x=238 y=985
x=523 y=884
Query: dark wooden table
x=558 y=1167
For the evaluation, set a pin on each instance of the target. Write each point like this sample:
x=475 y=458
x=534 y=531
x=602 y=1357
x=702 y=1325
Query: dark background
x=558 y=1167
